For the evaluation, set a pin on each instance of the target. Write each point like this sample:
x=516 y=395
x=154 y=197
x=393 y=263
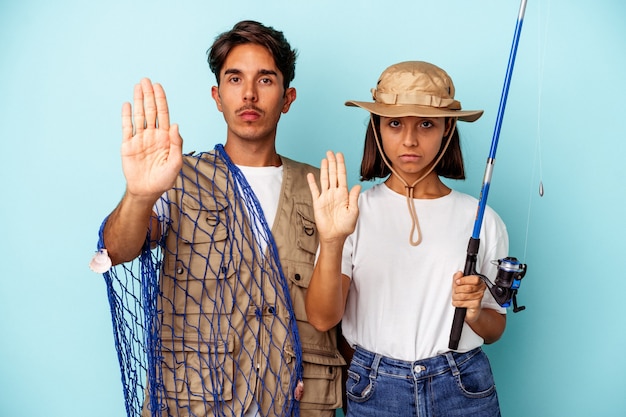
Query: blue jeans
x=451 y=385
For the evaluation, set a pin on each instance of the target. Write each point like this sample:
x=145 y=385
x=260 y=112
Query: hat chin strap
x=409 y=189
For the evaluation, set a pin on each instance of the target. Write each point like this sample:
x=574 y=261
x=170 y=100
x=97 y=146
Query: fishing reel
x=504 y=290
x=508 y=280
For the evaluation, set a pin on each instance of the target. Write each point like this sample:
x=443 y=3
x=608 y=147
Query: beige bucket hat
x=415 y=88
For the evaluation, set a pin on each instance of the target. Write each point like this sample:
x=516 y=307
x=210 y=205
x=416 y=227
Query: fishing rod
x=510 y=270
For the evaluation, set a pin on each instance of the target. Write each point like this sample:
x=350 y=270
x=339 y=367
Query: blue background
x=67 y=66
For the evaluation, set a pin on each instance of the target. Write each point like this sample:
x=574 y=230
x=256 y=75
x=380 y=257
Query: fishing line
x=542 y=41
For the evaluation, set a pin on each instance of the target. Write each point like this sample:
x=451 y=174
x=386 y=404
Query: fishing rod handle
x=459 y=312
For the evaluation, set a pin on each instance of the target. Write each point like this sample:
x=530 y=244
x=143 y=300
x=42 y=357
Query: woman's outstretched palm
x=336 y=208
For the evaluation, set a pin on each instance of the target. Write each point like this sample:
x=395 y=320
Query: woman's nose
x=410 y=138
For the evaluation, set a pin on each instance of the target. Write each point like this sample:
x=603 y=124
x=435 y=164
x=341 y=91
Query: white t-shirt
x=266 y=183
x=400 y=299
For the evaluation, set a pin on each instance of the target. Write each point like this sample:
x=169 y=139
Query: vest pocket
x=298 y=275
x=198 y=285
x=201 y=373
x=322 y=377
x=306 y=234
x=203 y=222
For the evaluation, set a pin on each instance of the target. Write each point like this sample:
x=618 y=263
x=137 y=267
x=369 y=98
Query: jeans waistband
x=424 y=368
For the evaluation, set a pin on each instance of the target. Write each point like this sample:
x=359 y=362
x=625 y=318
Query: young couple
x=260 y=268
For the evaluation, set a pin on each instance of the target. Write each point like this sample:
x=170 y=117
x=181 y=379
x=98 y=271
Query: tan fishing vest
x=187 y=284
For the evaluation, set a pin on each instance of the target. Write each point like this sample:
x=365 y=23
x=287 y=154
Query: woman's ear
x=450 y=122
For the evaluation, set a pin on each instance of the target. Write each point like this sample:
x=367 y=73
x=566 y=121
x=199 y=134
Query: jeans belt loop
x=375 y=365
x=452 y=364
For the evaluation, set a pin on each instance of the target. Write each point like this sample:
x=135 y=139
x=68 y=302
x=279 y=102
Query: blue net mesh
x=203 y=322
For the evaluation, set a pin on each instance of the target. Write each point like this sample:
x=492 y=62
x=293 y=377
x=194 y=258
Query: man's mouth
x=250 y=114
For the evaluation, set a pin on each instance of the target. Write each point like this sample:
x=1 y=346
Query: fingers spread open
x=315 y=191
x=149 y=104
x=324 y=174
x=353 y=197
x=127 y=122
x=332 y=169
x=138 y=115
x=341 y=171
x=163 y=115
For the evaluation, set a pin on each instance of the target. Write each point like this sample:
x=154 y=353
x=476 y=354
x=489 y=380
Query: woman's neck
x=429 y=188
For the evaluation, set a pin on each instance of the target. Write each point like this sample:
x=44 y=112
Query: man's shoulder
x=293 y=164
x=202 y=160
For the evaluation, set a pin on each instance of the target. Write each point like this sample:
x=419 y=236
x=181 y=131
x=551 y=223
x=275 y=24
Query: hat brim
x=395 y=110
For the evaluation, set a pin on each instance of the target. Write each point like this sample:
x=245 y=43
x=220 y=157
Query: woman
x=393 y=276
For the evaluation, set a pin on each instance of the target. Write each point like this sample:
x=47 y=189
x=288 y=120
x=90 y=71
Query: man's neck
x=252 y=154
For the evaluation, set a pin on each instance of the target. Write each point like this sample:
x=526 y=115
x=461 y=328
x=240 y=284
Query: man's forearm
x=127 y=226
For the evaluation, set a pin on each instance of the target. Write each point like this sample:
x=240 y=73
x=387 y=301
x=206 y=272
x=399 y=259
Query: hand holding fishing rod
x=510 y=271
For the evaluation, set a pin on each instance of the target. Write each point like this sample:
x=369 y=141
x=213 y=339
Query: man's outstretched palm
x=151 y=147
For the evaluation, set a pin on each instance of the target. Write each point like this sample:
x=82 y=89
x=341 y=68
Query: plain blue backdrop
x=66 y=67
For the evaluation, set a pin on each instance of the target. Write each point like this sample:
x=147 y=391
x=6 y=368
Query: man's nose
x=250 y=92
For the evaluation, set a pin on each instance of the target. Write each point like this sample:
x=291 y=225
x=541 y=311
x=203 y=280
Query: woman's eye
x=394 y=123
x=426 y=124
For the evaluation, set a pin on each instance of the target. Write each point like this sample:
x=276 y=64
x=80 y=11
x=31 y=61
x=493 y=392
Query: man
x=236 y=232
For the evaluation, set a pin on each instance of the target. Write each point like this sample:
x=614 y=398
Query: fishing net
x=203 y=322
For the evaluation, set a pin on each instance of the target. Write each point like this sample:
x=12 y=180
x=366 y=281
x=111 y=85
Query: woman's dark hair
x=249 y=31
x=373 y=166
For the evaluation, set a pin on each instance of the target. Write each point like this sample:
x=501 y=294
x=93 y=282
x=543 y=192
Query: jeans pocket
x=475 y=378
x=359 y=387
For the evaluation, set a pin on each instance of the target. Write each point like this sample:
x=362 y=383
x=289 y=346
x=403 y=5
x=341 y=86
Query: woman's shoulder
x=377 y=191
x=461 y=198
x=471 y=202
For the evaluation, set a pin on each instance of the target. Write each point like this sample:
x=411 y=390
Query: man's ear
x=290 y=97
x=215 y=93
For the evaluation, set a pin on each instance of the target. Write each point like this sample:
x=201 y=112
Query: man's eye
x=266 y=80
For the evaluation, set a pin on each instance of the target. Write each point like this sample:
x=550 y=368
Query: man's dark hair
x=249 y=31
